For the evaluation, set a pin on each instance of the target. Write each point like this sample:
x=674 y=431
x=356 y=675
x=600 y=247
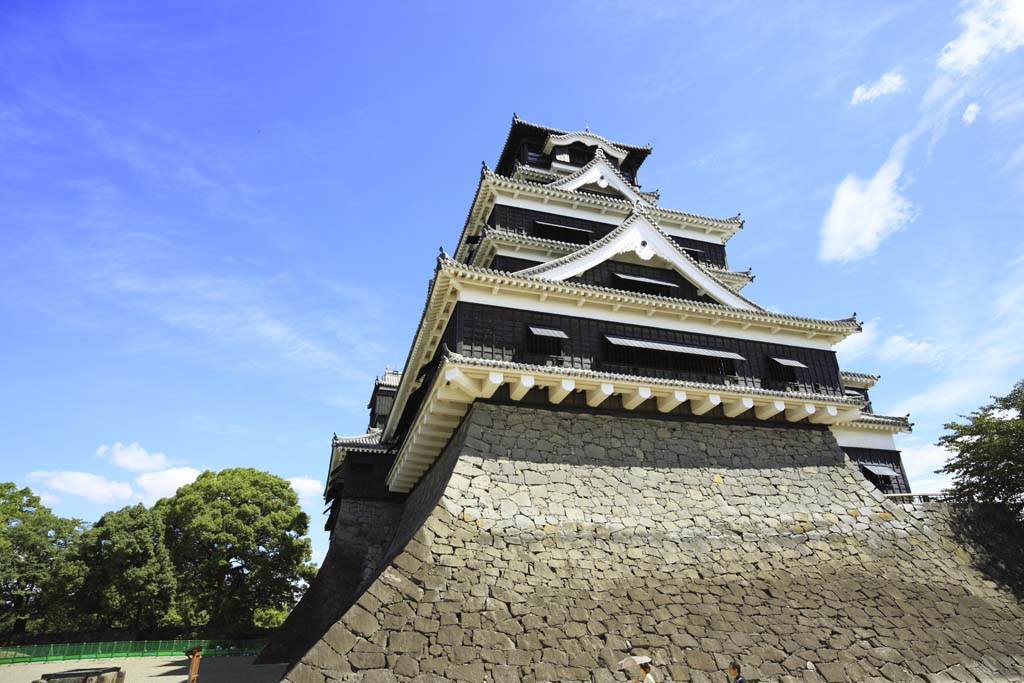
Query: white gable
x=601 y=173
x=640 y=236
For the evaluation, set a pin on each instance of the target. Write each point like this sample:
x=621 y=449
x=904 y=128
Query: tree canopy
x=228 y=552
x=36 y=562
x=238 y=544
x=988 y=452
x=129 y=581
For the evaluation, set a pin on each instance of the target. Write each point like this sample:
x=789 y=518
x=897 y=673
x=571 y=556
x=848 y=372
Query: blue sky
x=218 y=220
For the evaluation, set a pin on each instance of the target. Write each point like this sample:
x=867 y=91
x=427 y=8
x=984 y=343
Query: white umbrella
x=633 y=661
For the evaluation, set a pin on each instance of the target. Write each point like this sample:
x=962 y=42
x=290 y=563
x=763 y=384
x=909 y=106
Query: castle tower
x=600 y=446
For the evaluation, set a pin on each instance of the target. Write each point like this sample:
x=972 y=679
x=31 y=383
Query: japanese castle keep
x=599 y=446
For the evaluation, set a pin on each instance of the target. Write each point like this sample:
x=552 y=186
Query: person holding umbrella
x=643 y=662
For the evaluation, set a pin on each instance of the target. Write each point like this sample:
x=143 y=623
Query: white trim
x=639 y=235
x=458 y=383
x=602 y=174
x=613 y=216
x=566 y=139
x=502 y=246
x=669 y=321
x=851 y=437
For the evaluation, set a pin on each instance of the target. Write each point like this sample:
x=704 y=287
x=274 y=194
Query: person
x=734 y=673
x=645 y=668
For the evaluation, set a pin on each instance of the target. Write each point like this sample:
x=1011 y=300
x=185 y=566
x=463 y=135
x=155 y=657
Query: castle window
x=638 y=355
x=883 y=477
x=696 y=254
x=784 y=370
x=562 y=233
x=545 y=341
x=646 y=285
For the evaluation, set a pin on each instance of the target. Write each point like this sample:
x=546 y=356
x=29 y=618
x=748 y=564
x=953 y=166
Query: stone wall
x=360 y=539
x=545 y=545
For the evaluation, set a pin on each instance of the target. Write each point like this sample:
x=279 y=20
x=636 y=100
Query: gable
x=638 y=237
x=601 y=177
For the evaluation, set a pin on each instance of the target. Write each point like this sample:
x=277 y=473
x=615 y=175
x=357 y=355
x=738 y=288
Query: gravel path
x=165 y=669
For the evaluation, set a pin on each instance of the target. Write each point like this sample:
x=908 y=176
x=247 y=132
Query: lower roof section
x=460 y=380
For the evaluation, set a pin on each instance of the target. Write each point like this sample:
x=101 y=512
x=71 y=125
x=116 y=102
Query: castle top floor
x=563 y=152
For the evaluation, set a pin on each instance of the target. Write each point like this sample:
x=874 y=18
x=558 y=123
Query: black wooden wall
x=496 y=333
x=878 y=456
x=524 y=220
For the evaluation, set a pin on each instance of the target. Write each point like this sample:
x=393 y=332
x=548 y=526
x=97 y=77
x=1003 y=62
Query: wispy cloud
x=899 y=349
x=984 y=362
x=92 y=487
x=133 y=457
x=971 y=113
x=308 y=489
x=866 y=211
x=989 y=27
x=156 y=485
x=859 y=346
x=920 y=461
x=889 y=83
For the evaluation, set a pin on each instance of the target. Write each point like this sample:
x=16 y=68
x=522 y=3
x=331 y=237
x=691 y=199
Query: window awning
x=674 y=348
x=548 y=332
x=789 y=363
x=645 y=280
x=562 y=227
x=881 y=470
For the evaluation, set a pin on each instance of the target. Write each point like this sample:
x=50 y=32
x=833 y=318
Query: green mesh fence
x=12 y=654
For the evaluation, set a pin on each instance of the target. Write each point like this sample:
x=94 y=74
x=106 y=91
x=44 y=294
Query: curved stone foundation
x=546 y=545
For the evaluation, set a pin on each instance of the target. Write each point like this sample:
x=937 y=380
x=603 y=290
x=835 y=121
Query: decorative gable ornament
x=639 y=234
x=599 y=171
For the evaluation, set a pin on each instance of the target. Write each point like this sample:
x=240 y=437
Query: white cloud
x=920 y=462
x=890 y=82
x=92 y=487
x=157 y=485
x=989 y=27
x=865 y=212
x=858 y=346
x=307 y=488
x=47 y=498
x=971 y=113
x=133 y=457
x=901 y=349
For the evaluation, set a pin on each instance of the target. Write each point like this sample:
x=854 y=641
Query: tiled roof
x=659 y=381
x=487 y=174
x=859 y=377
x=568 y=247
x=873 y=420
x=446 y=262
x=390 y=378
x=539 y=175
x=601 y=243
x=363 y=442
x=557 y=131
x=599 y=158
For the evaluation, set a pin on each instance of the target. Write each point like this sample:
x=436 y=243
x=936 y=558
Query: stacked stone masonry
x=546 y=545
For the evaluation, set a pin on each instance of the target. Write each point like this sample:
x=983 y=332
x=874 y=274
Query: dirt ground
x=165 y=669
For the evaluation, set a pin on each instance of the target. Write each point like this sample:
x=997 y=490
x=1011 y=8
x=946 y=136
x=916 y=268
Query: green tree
x=129 y=581
x=988 y=452
x=37 y=567
x=238 y=544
